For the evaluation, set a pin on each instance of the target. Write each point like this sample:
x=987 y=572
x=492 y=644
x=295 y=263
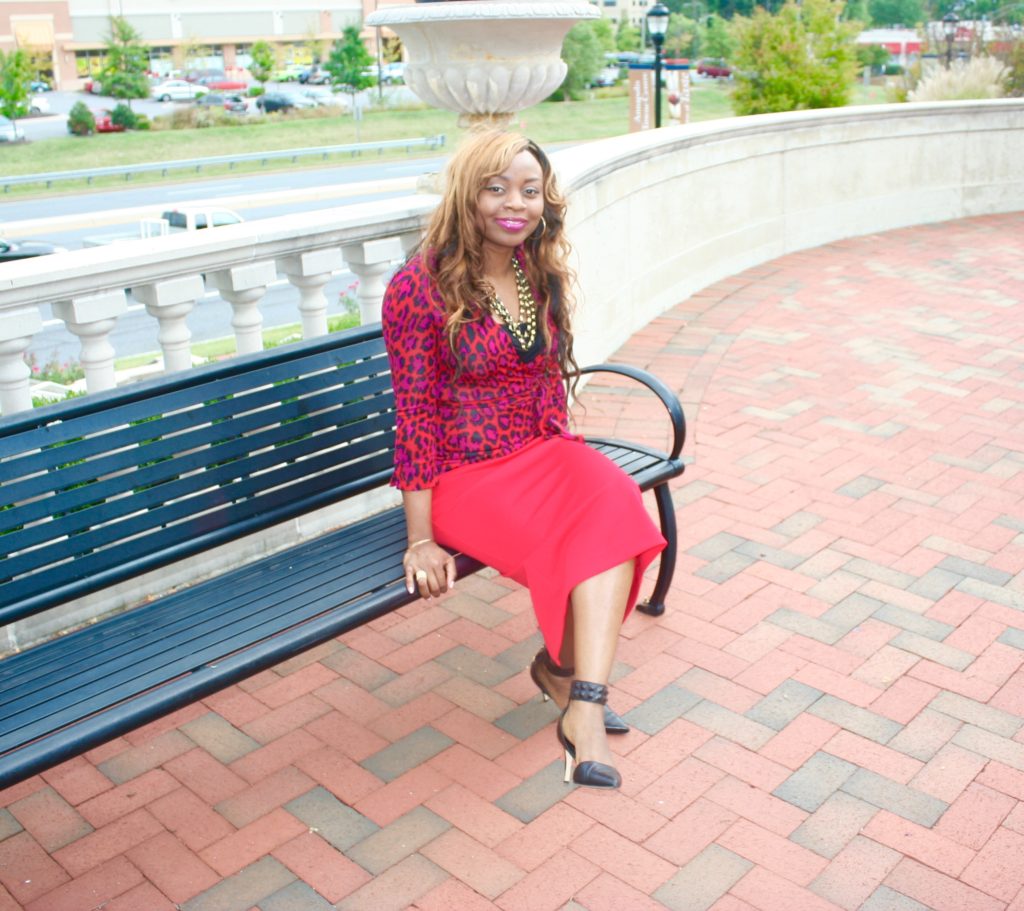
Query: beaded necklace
x=524 y=333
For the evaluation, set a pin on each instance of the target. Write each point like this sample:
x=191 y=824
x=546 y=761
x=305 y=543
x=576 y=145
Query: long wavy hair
x=453 y=245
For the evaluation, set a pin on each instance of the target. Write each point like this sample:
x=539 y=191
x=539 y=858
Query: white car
x=321 y=97
x=38 y=105
x=178 y=90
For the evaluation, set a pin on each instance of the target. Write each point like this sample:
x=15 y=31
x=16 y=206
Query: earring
x=541 y=229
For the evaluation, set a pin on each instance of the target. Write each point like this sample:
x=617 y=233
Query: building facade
x=66 y=38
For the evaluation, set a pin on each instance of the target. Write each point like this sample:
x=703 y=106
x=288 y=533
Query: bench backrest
x=96 y=490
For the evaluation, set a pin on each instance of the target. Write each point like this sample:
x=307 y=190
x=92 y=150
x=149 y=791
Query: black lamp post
x=657 y=25
x=949 y=24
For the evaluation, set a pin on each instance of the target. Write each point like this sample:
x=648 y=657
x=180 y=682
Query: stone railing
x=86 y=288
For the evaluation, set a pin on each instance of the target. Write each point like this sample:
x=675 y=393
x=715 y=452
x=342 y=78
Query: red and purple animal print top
x=447 y=417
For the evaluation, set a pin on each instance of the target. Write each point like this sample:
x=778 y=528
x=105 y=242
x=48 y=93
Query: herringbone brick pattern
x=829 y=715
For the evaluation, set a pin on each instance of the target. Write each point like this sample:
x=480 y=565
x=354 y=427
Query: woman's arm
x=412 y=329
x=423 y=554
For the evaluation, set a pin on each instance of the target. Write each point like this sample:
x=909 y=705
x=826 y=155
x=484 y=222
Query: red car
x=714 y=69
x=105 y=125
x=216 y=84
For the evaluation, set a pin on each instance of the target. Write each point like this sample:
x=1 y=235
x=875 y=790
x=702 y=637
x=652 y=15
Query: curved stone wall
x=656 y=216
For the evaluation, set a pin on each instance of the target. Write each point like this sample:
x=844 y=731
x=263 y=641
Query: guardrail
x=324 y=152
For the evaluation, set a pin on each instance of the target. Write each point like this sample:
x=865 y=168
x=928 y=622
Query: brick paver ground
x=829 y=715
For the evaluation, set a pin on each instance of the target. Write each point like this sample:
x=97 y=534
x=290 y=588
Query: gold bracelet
x=418 y=543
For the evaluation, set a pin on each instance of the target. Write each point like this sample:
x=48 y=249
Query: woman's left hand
x=429 y=568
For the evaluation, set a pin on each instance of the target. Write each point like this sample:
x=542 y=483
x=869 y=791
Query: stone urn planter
x=484 y=59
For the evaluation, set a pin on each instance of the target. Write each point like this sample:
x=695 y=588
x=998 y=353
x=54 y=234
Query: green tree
x=801 y=57
x=348 y=62
x=627 y=37
x=15 y=76
x=584 y=57
x=895 y=12
x=261 y=62
x=718 y=40
x=605 y=34
x=124 y=76
x=80 y=120
x=1015 y=65
x=682 y=38
x=873 y=57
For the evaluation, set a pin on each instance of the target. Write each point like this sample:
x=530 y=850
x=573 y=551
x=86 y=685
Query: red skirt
x=549 y=516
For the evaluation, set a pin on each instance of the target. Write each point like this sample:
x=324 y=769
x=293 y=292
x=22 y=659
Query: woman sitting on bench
x=477 y=327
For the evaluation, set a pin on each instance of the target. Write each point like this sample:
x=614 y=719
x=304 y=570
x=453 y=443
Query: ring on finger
x=421 y=575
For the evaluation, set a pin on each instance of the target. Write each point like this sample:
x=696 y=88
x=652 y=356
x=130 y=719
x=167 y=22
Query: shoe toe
x=613 y=722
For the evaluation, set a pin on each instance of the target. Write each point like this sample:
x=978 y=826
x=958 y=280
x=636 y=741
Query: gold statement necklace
x=524 y=333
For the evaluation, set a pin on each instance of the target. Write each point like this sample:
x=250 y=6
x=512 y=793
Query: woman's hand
x=429 y=568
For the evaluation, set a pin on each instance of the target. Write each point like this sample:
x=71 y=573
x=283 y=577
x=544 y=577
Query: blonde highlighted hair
x=453 y=245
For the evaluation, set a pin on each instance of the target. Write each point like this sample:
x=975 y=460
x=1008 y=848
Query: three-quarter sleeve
x=413 y=326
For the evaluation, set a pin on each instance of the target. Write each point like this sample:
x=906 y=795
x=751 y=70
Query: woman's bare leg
x=598 y=606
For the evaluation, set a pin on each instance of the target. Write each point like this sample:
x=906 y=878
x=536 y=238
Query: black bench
x=98 y=490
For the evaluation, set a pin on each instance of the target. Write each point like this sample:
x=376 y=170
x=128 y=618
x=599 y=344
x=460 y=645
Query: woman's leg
x=598 y=606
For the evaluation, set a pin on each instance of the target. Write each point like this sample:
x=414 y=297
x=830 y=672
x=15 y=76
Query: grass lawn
x=606 y=114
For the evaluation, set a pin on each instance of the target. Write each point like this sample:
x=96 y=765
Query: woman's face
x=510 y=205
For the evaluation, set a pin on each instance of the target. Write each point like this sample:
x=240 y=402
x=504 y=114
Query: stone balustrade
x=653 y=218
x=86 y=288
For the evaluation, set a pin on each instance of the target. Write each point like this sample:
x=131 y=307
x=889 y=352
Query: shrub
x=123 y=116
x=980 y=77
x=255 y=91
x=80 y=120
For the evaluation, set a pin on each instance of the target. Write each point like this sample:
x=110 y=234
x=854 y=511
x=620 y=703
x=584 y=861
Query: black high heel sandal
x=591 y=774
x=613 y=722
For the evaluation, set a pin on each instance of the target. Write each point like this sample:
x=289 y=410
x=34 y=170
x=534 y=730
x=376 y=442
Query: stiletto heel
x=613 y=722
x=590 y=774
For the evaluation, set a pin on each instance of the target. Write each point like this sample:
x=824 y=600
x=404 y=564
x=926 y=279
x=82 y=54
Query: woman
x=478 y=335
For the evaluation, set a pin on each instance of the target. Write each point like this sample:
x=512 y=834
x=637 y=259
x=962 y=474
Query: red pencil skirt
x=549 y=516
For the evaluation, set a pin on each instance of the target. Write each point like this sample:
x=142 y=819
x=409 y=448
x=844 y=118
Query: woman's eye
x=531 y=191
x=494 y=188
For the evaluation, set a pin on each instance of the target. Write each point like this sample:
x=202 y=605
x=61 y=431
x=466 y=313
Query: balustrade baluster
x=92 y=318
x=309 y=272
x=372 y=262
x=170 y=302
x=16 y=330
x=244 y=287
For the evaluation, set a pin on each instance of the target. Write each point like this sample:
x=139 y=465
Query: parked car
x=223 y=84
x=39 y=85
x=315 y=76
x=104 y=123
x=38 y=105
x=93 y=87
x=191 y=218
x=281 y=101
x=233 y=103
x=393 y=73
x=177 y=90
x=10 y=131
x=714 y=69
x=609 y=75
x=290 y=73
x=10 y=250
x=321 y=96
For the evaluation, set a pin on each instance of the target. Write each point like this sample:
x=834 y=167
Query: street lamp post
x=949 y=26
x=657 y=25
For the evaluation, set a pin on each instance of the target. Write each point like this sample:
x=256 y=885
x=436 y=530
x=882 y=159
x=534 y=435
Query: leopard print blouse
x=447 y=417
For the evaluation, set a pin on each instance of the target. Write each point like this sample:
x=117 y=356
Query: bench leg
x=655 y=605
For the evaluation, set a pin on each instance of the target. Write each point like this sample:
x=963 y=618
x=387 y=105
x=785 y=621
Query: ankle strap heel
x=583 y=691
x=589 y=773
x=613 y=722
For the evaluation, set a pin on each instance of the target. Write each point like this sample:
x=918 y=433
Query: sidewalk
x=830 y=714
